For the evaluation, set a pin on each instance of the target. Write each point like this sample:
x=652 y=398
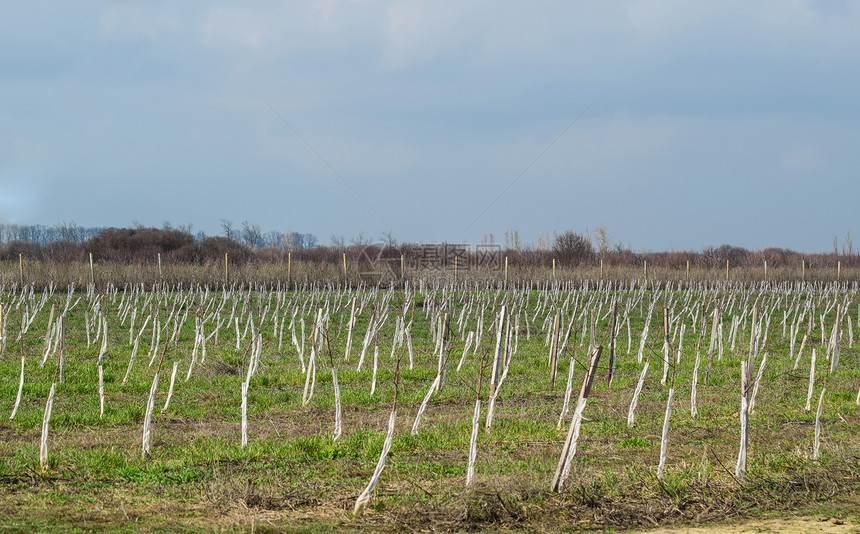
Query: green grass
x=294 y=475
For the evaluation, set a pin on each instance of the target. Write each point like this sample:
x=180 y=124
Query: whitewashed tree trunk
x=147 y=419
x=741 y=466
x=364 y=498
x=194 y=350
x=757 y=383
x=349 y=328
x=424 y=405
x=664 y=440
x=569 y=449
x=635 y=400
x=244 y=413
x=337 y=405
x=811 y=382
x=800 y=352
x=375 y=367
x=694 y=410
x=443 y=353
x=466 y=349
x=409 y=347
x=20 y=390
x=473 y=444
x=43 y=444
x=817 y=442
x=170 y=389
x=101 y=392
x=567 y=392
x=103 y=349
x=310 y=378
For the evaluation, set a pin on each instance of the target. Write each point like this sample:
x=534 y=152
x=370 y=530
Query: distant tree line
x=584 y=249
x=253 y=236
x=41 y=234
x=69 y=242
x=247 y=243
x=577 y=248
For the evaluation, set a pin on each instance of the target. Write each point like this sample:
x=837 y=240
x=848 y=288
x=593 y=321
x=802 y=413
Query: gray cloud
x=709 y=122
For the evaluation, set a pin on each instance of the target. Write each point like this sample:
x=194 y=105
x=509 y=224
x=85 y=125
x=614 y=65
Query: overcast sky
x=676 y=124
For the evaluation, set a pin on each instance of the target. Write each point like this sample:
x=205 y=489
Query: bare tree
x=360 y=239
x=227 y=226
x=288 y=241
x=293 y=240
x=572 y=247
x=389 y=239
x=338 y=241
x=69 y=231
x=602 y=238
x=274 y=238
x=251 y=234
x=512 y=240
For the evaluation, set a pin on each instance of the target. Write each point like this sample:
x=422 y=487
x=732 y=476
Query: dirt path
x=816 y=526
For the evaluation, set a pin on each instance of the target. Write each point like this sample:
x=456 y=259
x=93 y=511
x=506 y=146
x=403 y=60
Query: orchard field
x=536 y=406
